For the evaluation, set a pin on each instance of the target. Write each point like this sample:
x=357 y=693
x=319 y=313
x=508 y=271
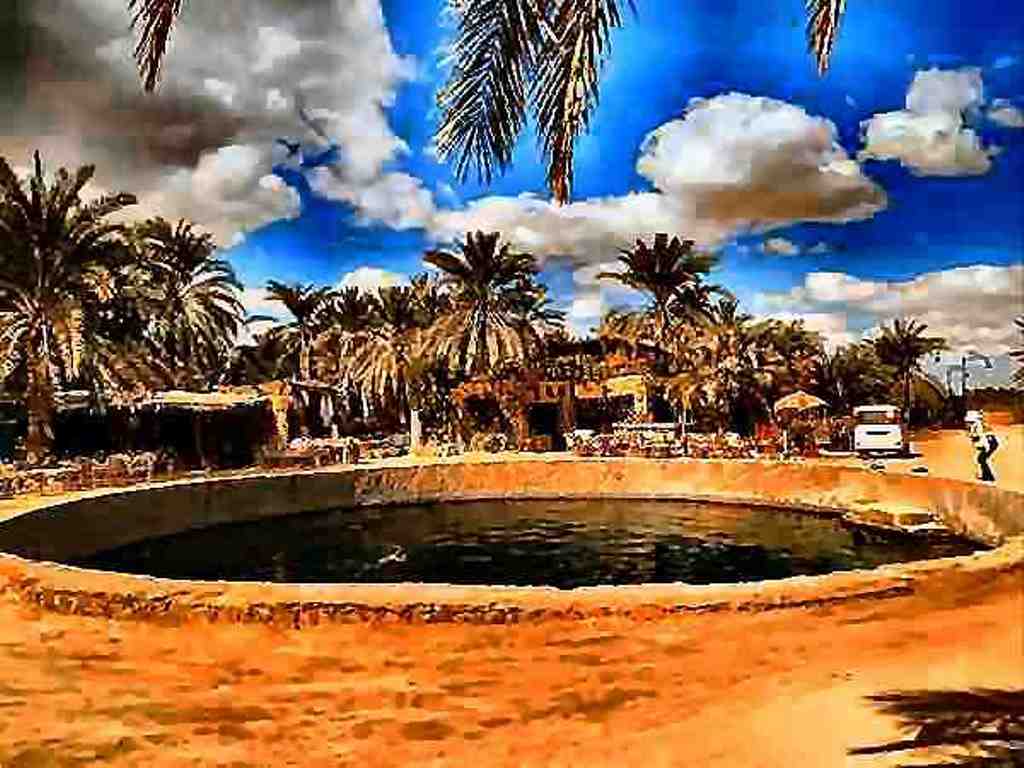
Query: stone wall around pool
x=90 y=523
x=85 y=524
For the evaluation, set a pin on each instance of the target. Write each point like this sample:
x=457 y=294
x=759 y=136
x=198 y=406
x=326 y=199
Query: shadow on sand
x=980 y=728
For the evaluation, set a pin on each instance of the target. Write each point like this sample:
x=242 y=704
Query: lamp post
x=968 y=357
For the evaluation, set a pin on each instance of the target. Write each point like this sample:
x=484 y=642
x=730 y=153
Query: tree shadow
x=984 y=726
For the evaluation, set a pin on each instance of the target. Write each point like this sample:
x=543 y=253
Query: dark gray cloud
x=201 y=146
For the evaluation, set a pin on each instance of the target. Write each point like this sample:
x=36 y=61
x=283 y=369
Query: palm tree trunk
x=39 y=401
x=906 y=396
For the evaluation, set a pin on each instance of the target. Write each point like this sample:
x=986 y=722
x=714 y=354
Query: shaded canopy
x=798 y=402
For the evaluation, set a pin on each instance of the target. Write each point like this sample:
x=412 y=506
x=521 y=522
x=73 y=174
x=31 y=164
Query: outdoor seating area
x=662 y=445
x=82 y=474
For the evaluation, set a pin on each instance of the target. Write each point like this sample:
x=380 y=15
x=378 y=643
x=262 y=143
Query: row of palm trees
x=87 y=302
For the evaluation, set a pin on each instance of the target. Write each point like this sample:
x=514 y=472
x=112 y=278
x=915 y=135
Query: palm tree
x=671 y=271
x=488 y=286
x=902 y=345
x=508 y=55
x=388 y=356
x=310 y=307
x=195 y=297
x=852 y=375
x=56 y=250
x=431 y=298
x=536 y=319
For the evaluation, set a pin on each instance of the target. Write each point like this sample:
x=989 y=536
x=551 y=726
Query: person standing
x=985 y=444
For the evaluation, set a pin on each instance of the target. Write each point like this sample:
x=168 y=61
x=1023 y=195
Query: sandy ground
x=786 y=688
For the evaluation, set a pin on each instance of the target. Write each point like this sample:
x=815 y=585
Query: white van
x=879 y=429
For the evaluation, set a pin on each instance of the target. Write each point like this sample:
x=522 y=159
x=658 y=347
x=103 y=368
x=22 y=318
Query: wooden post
x=197 y=432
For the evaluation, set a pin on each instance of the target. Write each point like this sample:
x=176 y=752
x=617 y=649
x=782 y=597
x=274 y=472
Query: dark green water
x=556 y=543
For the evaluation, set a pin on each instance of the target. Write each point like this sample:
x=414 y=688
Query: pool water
x=555 y=543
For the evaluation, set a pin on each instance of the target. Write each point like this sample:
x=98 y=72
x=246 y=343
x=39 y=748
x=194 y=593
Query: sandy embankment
x=784 y=688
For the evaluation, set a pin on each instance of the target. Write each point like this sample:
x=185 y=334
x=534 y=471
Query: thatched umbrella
x=798 y=402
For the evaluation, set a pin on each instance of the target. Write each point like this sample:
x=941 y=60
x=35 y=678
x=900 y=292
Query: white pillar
x=415 y=430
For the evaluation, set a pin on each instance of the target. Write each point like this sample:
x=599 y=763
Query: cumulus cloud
x=371 y=278
x=1006 y=114
x=228 y=84
x=731 y=163
x=394 y=199
x=780 y=246
x=972 y=307
x=930 y=136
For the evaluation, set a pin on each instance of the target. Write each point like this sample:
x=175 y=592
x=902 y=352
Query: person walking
x=985 y=444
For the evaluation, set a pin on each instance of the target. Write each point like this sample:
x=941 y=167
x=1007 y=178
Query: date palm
x=902 y=345
x=311 y=310
x=488 y=285
x=850 y=376
x=388 y=355
x=671 y=272
x=57 y=252
x=195 y=300
x=508 y=57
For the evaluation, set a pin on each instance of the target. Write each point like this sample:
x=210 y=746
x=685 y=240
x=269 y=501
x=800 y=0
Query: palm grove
x=89 y=302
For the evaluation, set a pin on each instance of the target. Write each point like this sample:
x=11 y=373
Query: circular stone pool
x=560 y=543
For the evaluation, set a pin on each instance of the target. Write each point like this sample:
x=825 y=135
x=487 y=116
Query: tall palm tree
x=488 y=285
x=310 y=308
x=508 y=56
x=389 y=354
x=671 y=272
x=902 y=345
x=195 y=296
x=55 y=251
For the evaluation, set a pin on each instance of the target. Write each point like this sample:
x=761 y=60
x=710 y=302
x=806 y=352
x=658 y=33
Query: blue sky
x=946 y=245
x=674 y=51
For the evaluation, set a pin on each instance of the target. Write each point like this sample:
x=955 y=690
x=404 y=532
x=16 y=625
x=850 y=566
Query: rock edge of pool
x=42 y=533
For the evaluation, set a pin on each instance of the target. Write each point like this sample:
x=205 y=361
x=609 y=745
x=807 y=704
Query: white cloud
x=930 y=136
x=397 y=200
x=232 y=69
x=1006 y=114
x=276 y=101
x=229 y=192
x=972 y=307
x=781 y=246
x=275 y=45
x=732 y=163
x=832 y=326
x=223 y=91
x=371 y=278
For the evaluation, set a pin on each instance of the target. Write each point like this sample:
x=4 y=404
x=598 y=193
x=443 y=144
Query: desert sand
x=785 y=688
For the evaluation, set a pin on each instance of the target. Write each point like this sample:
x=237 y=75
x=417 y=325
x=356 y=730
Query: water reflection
x=558 y=543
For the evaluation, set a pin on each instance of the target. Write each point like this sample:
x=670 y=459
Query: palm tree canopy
x=903 y=343
x=196 y=298
x=492 y=290
x=671 y=272
x=508 y=56
x=59 y=260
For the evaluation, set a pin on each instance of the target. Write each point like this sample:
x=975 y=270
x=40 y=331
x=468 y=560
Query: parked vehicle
x=879 y=429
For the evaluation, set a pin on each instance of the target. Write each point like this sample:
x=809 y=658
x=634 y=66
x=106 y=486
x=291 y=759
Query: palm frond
x=565 y=90
x=153 y=20
x=484 y=100
x=823 y=20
